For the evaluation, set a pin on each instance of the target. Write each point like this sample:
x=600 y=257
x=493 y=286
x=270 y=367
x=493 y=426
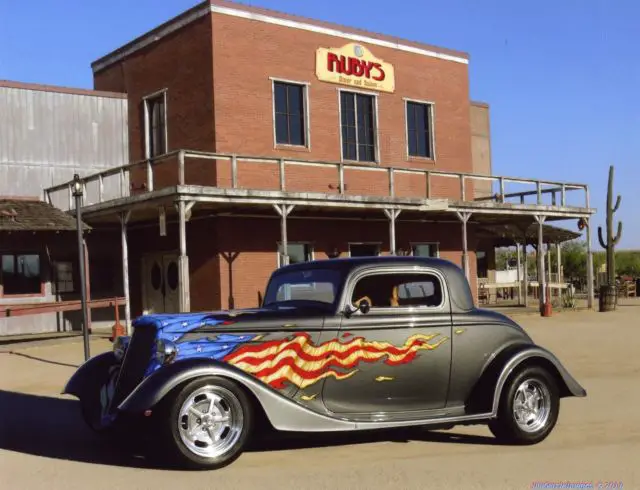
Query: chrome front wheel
x=207 y=423
x=210 y=421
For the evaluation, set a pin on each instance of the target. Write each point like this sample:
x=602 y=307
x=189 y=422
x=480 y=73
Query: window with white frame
x=155 y=110
x=358 y=126
x=425 y=250
x=298 y=252
x=420 y=129
x=289 y=106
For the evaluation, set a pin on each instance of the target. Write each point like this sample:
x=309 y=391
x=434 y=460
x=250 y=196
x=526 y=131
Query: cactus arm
x=619 y=234
x=615 y=208
x=602 y=244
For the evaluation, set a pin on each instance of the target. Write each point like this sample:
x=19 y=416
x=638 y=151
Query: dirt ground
x=43 y=443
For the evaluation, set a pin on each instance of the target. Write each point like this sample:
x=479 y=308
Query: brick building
x=258 y=138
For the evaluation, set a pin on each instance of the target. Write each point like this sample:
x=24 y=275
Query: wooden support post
x=590 y=298
x=234 y=171
x=391 y=182
x=525 y=281
x=149 y=175
x=124 y=219
x=184 y=292
x=283 y=210
x=540 y=255
x=181 y=169
x=392 y=214
x=559 y=262
x=519 y=277
x=283 y=180
x=464 y=218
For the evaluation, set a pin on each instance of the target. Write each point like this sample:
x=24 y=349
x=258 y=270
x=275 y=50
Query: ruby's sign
x=354 y=65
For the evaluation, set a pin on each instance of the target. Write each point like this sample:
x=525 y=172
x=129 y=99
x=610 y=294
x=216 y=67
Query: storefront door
x=160 y=279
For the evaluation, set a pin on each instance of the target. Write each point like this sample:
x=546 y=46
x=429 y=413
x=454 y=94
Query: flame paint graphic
x=302 y=364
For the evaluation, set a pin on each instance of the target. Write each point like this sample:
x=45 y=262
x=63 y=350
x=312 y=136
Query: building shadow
x=61 y=434
x=41 y=359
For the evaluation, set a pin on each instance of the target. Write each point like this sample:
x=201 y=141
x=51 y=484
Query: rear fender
x=283 y=413
x=86 y=376
x=487 y=392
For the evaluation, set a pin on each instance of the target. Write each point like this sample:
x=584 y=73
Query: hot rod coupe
x=343 y=344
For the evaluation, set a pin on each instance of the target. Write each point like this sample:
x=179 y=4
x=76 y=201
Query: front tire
x=529 y=407
x=207 y=424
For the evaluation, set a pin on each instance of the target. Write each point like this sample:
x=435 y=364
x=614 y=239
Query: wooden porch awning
x=507 y=235
x=19 y=215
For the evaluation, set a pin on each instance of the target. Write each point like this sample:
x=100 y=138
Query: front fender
x=283 y=413
x=567 y=383
x=94 y=369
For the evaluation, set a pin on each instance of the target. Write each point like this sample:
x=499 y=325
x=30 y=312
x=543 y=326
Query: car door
x=397 y=356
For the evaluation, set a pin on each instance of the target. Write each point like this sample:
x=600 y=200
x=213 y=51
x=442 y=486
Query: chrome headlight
x=120 y=347
x=165 y=351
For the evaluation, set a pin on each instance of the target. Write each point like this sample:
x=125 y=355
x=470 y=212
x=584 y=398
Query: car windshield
x=316 y=285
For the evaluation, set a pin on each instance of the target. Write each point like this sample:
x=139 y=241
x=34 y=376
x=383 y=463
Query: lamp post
x=77 y=193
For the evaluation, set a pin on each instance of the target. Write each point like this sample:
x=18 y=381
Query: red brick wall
x=244 y=109
x=182 y=63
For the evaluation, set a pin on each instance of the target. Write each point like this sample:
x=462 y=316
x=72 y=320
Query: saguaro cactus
x=612 y=241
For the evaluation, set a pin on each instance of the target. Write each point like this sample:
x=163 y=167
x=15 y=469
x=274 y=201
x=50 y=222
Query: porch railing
x=116 y=182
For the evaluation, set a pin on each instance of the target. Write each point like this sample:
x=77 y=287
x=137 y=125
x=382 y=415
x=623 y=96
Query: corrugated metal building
x=48 y=134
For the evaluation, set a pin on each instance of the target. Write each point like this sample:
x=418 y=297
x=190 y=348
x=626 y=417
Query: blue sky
x=562 y=77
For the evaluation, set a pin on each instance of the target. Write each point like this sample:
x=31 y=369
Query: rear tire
x=529 y=407
x=206 y=424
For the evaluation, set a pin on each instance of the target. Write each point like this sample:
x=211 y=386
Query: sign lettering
x=354 y=65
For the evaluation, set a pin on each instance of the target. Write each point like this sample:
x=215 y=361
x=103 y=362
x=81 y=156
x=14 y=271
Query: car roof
x=458 y=286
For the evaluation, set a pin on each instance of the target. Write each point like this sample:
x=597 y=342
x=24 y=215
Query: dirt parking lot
x=43 y=443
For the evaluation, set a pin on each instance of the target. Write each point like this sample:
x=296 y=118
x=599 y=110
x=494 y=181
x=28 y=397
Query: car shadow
x=53 y=428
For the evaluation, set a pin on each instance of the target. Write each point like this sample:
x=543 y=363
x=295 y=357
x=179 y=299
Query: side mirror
x=364 y=307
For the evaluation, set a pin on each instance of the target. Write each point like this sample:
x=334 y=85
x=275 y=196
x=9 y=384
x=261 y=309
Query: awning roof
x=506 y=235
x=31 y=215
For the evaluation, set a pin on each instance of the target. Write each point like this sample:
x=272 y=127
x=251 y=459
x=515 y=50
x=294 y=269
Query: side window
x=399 y=290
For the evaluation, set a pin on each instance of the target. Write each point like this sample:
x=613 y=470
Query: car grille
x=135 y=362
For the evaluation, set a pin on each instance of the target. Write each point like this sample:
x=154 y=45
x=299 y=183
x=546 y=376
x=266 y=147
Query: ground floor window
x=63 y=277
x=297 y=252
x=20 y=274
x=364 y=249
x=425 y=250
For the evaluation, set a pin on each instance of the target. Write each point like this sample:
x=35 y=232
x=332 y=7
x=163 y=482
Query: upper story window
x=420 y=129
x=289 y=105
x=20 y=274
x=155 y=111
x=358 y=125
x=425 y=250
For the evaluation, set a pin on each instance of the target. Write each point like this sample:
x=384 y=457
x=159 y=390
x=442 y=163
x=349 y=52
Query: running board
x=462 y=419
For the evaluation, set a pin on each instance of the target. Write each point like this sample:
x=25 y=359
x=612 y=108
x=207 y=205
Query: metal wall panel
x=46 y=137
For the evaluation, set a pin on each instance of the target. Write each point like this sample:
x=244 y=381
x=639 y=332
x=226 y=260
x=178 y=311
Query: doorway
x=364 y=249
x=160 y=283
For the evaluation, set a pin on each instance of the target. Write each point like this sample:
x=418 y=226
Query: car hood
x=182 y=323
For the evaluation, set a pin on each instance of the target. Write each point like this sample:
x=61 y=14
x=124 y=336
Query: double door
x=160 y=283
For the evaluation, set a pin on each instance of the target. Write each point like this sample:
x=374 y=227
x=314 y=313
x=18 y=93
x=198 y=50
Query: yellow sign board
x=356 y=66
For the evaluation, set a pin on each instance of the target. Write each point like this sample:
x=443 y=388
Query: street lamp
x=77 y=193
